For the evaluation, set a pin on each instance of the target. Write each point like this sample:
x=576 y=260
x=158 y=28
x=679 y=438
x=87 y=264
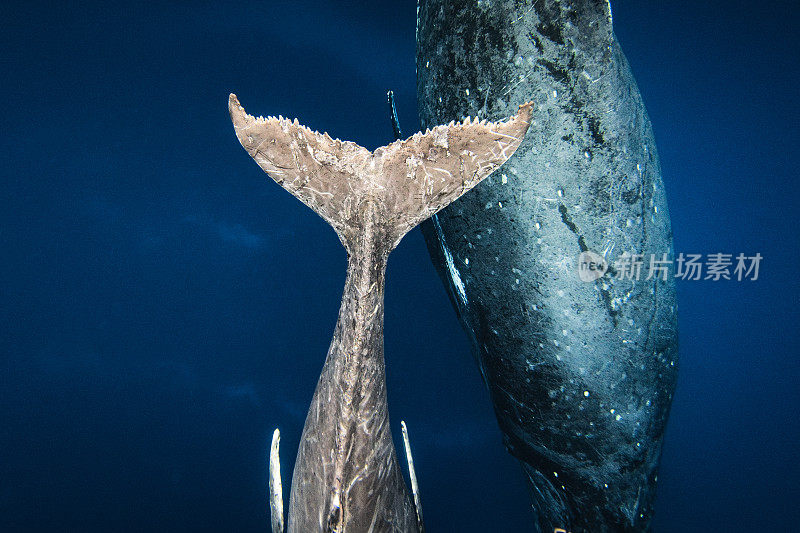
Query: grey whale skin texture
x=347 y=477
x=581 y=375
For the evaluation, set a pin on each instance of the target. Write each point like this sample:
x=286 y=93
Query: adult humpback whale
x=346 y=477
x=581 y=373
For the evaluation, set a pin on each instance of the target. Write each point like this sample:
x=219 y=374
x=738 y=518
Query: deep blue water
x=164 y=305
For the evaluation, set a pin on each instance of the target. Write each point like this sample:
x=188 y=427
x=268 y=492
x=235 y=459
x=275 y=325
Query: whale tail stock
x=406 y=181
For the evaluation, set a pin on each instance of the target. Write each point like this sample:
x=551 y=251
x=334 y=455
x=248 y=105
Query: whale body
x=581 y=366
x=347 y=477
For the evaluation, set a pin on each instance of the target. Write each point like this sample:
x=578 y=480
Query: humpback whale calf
x=347 y=478
x=581 y=369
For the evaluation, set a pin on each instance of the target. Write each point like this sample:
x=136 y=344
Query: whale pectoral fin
x=318 y=170
x=275 y=485
x=428 y=171
x=412 y=475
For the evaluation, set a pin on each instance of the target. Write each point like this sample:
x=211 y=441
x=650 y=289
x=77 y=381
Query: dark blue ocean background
x=164 y=306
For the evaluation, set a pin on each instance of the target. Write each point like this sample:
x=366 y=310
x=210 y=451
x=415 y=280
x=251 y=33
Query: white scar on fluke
x=347 y=477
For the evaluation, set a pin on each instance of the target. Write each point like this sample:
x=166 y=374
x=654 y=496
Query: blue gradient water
x=164 y=306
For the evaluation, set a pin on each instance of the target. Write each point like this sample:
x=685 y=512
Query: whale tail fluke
x=406 y=181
